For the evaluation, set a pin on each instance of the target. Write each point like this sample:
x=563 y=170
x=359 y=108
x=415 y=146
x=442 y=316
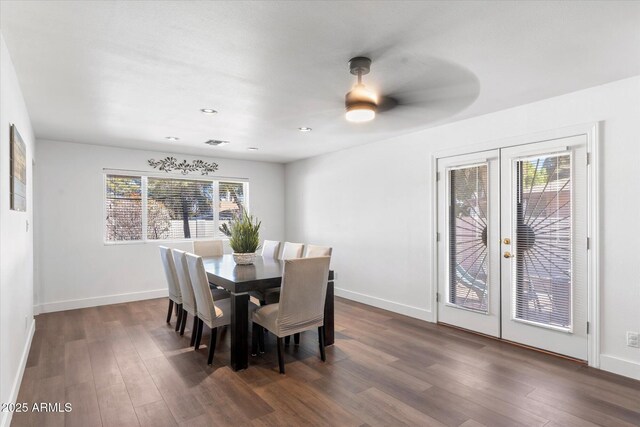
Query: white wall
x=16 y=243
x=75 y=267
x=373 y=205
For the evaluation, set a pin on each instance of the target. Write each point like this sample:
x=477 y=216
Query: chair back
x=170 y=273
x=208 y=248
x=182 y=271
x=206 y=308
x=302 y=294
x=292 y=250
x=270 y=249
x=312 y=251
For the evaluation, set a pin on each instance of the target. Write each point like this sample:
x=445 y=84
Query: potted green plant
x=244 y=238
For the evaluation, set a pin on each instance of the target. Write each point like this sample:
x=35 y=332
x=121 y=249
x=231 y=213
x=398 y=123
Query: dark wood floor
x=121 y=365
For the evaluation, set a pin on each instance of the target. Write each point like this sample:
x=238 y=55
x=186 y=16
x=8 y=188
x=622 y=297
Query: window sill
x=153 y=242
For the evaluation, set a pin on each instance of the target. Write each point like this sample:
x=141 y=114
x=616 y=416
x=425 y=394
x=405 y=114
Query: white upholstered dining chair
x=292 y=250
x=270 y=249
x=189 y=304
x=312 y=251
x=289 y=251
x=271 y=296
x=208 y=248
x=175 y=295
x=301 y=306
x=210 y=312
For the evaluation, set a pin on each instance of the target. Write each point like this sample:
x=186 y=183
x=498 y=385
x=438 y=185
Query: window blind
x=123 y=205
x=141 y=208
x=179 y=209
x=231 y=203
x=543 y=287
x=468 y=224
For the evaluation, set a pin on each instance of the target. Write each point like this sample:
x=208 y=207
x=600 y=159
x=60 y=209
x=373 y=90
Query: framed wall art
x=18 y=171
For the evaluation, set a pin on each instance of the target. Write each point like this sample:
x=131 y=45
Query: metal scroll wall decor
x=169 y=164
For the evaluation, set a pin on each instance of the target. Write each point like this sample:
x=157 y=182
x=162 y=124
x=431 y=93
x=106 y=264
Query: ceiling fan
x=442 y=91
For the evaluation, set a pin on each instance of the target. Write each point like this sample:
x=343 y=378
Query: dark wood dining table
x=264 y=273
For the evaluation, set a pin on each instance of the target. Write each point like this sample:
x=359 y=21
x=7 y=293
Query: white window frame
x=144 y=176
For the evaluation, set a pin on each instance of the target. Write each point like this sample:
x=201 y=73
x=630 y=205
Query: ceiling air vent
x=216 y=142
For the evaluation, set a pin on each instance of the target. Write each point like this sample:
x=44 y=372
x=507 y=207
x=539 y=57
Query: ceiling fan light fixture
x=360 y=103
x=360 y=115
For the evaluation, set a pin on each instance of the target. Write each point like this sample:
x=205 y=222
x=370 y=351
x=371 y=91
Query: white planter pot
x=244 y=259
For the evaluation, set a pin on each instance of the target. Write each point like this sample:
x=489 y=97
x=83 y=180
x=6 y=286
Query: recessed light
x=305 y=129
x=172 y=138
x=216 y=142
x=252 y=148
x=208 y=111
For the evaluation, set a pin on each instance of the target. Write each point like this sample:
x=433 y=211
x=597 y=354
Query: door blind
x=543 y=244
x=468 y=253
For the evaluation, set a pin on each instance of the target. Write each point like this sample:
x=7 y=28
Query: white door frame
x=592 y=133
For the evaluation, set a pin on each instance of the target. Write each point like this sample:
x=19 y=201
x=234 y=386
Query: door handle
x=507 y=254
x=507 y=241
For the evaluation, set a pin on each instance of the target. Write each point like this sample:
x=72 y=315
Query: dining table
x=239 y=280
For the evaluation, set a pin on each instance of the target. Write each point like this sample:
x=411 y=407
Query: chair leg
x=179 y=314
x=280 y=355
x=261 y=333
x=287 y=340
x=323 y=356
x=170 y=311
x=212 y=344
x=199 y=333
x=194 y=331
x=255 y=330
x=183 y=321
x=296 y=338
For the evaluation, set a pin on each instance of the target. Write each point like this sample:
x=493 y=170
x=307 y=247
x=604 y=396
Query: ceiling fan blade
x=437 y=87
x=428 y=111
x=387 y=103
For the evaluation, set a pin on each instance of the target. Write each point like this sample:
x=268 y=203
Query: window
x=123 y=196
x=179 y=209
x=141 y=208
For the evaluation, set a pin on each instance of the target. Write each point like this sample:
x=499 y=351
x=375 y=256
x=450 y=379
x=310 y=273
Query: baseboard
x=407 y=310
x=96 y=301
x=5 y=420
x=620 y=366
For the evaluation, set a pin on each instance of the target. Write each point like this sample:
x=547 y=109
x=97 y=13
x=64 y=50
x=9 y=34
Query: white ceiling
x=130 y=73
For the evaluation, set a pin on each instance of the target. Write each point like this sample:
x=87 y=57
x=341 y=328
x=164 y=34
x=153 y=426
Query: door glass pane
x=468 y=255
x=543 y=240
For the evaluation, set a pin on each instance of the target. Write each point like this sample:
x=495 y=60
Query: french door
x=469 y=224
x=512 y=251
